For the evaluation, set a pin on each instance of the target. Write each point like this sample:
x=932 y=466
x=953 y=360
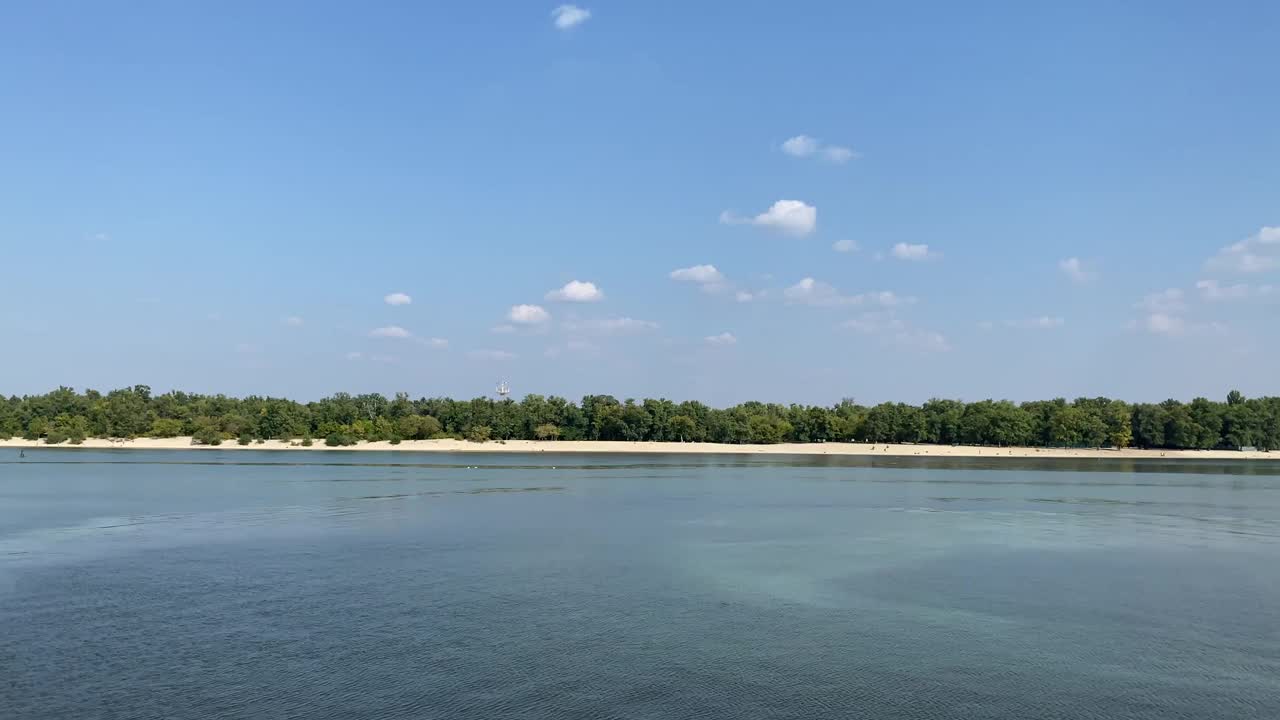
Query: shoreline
x=625 y=447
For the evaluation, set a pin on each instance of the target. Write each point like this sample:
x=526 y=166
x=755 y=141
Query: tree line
x=68 y=416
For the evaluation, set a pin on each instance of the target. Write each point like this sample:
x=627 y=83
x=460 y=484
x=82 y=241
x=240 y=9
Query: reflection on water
x=245 y=585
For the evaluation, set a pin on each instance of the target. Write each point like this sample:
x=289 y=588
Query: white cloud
x=354 y=355
x=922 y=341
x=397 y=298
x=568 y=16
x=575 y=346
x=986 y=325
x=1212 y=291
x=873 y=322
x=815 y=292
x=610 y=326
x=439 y=343
x=247 y=349
x=528 y=315
x=576 y=291
x=1163 y=302
x=1165 y=324
x=790 y=217
x=800 y=146
x=909 y=251
x=503 y=329
x=701 y=274
x=390 y=331
x=625 y=324
x=1255 y=254
x=844 y=246
x=743 y=296
x=803 y=146
x=706 y=277
x=838 y=154
x=1074 y=269
x=492 y=355
x=292 y=321
x=723 y=338
x=1044 y=322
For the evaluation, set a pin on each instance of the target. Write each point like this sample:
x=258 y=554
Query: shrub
x=207 y=436
x=166 y=428
x=307 y=441
x=394 y=440
x=55 y=436
x=339 y=439
x=547 y=432
x=244 y=439
x=479 y=433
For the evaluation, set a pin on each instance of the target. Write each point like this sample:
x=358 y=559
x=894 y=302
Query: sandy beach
x=568 y=446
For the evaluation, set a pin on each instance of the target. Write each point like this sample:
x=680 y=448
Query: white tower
x=503 y=390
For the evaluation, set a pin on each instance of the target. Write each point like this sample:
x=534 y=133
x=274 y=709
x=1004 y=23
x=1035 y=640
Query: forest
x=67 y=416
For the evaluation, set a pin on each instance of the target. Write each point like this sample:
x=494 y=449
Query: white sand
x=564 y=446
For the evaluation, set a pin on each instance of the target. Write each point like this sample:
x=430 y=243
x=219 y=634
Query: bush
x=307 y=441
x=207 y=436
x=339 y=440
x=55 y=437
x=479 y=433
x=394 y=440
x=166 y=428
x=244 y=439
x=260 y=441
x=547 y=432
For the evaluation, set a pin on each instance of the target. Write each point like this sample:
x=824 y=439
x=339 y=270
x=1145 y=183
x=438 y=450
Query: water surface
x=242 y=584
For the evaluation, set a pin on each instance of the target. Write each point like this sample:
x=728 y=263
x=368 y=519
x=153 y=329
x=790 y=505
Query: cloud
x=569 y=16
x=873 y=322
x=292 y=321
x=610 y=326
x=910 y=252
x=894 y=332
x=817 y=293
x=503 y=329
x=1163 y=302
x=986 y=325
x=247 y=349
x=743 y=296
x=838 y=154
x=922 y=340
x=1074 y=269
x=576 y=291
x=625 y=324
x=528 y=315
x=800 y=146
x=1164 y=324
x=701 y=274
x=576 y=346
x=790 y=217
x=397 y=298
x=492 y=355
x=1211 y=291
x=723 y=338
x=844 y=246
x=803 y=146
x=706 y=277
x=390 y=331
x=1044 y=322
x=1255 y=254
x=355 y=355
x=439 y=343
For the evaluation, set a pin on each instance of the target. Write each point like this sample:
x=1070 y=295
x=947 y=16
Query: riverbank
x=571 y=446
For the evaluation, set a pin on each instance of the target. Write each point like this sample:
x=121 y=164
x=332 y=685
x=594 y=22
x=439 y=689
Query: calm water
x=339 y=585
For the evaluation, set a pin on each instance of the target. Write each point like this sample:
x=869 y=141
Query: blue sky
x=1035 y=199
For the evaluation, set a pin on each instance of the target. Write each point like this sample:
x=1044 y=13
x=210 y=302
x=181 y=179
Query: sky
x=795 y=202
